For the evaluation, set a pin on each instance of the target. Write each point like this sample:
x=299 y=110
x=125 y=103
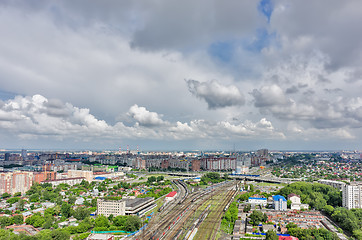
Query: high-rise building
x=24 y=154
x=13 y=182
x=352 y=196
x=195 y=165
x=7 y=157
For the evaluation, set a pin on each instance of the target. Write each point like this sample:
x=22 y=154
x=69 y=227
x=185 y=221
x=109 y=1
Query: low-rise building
x=98 y=236
x=295 y=199
x=171 y=196
x=257 y=201
x=69 y=181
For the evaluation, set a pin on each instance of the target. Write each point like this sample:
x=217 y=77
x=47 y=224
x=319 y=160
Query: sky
x=181 y=75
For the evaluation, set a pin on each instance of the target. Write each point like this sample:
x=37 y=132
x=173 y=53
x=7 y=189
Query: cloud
x=145 y=117
x=269 y=96
x=80 y=64
x=29 y=117
x=334 y=36
x=215 y=94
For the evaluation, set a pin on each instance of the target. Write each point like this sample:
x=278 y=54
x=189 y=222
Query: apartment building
x=88 y=175
x=352 y=196
x=12 y=182
x=336 y=184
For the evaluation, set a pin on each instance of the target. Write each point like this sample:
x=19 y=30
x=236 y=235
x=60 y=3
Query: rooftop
x=278 y=198
x=171 y=194
x=131 y=203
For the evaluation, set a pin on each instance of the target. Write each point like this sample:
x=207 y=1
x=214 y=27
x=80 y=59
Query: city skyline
x=181 y=75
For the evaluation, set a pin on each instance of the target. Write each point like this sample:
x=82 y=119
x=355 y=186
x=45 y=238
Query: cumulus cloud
x=145 y=117
x=215 y=94
x=30 y=117
x=94 y=61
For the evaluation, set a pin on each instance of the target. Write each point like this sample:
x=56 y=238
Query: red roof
x=287 y=238
x=171 y=194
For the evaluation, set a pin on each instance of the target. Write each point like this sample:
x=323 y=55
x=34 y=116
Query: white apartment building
x=352 y=196
x=108 y=207
x=336 y=184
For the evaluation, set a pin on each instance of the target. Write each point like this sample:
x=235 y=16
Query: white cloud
x=145 y=117
x=30 y=117
x=85 y=63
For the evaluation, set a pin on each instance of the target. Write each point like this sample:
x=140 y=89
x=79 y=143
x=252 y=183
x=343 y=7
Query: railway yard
x=194 y=215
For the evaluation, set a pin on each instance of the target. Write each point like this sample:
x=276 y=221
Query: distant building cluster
x=278 y=202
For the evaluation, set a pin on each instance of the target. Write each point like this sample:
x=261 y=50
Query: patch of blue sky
x=261 y=40
x=4 y=95
x=223 y=51
x=266 y=8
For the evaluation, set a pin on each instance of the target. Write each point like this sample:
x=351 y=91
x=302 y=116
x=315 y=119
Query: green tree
x=5 y=195
x=151 y=179
x=35 y=220
x=17 y=194
x=71 y=200
x=12 y=200
x=5 y=221
x=101 y=221
x=247 y=208
x=328 y=209
x=271 y=235
x=34 y=197
x=119 y=220
x=21 y=204
x=18 y=219
x=65 y=210
x=133 y=223
x=291 y=225
x=59 y=235
x=257 y=216
x=81 y=213
x=160 y=178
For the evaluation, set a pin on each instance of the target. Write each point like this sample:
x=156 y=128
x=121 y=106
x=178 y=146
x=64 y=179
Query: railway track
x=211 y=224
x=174 y=233
x=167 y=224
x=160 y=222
